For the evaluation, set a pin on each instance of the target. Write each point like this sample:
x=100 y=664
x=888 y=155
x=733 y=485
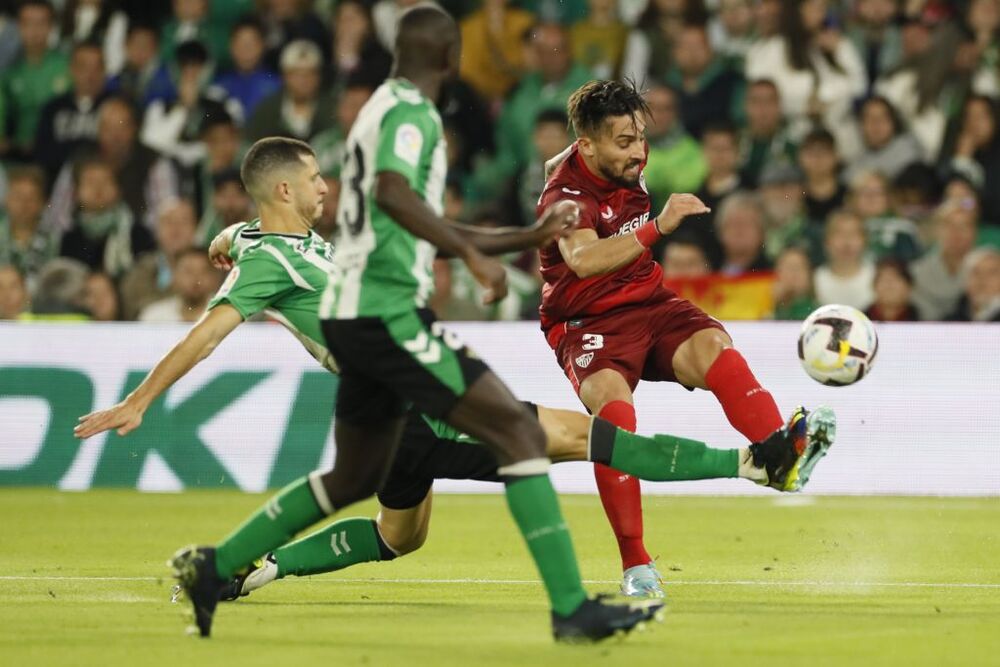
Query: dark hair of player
x=269 y=155
x=594 y=102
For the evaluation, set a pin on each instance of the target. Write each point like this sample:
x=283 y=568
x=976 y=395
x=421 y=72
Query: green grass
x=753 y=581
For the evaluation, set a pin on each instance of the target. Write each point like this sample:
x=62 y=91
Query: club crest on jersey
x=584 y=359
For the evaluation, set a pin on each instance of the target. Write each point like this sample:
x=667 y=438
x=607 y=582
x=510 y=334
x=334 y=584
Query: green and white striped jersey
x=381 y=268
x=283 y=276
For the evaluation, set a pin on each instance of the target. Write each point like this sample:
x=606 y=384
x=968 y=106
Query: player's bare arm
x=198 y=344
x=588 y=255
x=394 y=195
x=556 y=222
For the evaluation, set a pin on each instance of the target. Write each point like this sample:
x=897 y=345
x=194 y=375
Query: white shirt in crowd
x=857 y=291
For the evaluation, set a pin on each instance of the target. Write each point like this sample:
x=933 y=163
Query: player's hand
x=678 y=207
x=489 y=273
x=557 y=221
x=124 y=417
x=218 y=251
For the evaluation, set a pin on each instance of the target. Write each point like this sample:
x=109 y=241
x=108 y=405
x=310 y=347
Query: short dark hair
x=596 y=101
x=87 y=45
x=191 y=52
x=142 y=26
x=92 y=160
x=29 y=173
x=553 y=116
x=894 y=264
x=721 y=127
x=819 y=136
x=269 y=155
x=250 y=22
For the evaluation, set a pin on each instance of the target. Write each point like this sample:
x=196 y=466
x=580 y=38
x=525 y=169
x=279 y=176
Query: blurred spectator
x=289 y=21
x=69 y=120
x=847 y=277
x=784 y=208
x=146 y=179
x=301 y=110
x=61 y=292
x=221 y=138
x=191 y=22
x=151 y=277
x=739 y=224
x=22 y=243
x=937 y=275
x=100 y=22
x=230 y=204
x=820 y=162
x=887 y=146
x=767 y=18
x=709 y=92
x=983 y=22
x=817 y=69
x=599 y=39
x=550 y=137
x=732 y=31
x=101 y=298
x=492 y=55
x=649 y=49
x=888 y=234
x=385 y=14
x=38 y=74
x=719 y=145
x=675 y=162
x=765 y=138
x=172 y=127
x=143 y=76
x=893 y=291
x=329 y=144
x=793 y=285
x=548 y=87
x=248 y=81
x=683 y=258
x=977 y=152
x=195 y=280
x=357 y=54
x=10 y=43
x=981 y=280
x=877 y=37
x=104 y=235
x=13 y=293
x=925 y=81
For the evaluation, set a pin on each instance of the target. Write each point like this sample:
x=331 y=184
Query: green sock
x=662 y=458
x=535 y=508
x=294 y=507
x=339 y=545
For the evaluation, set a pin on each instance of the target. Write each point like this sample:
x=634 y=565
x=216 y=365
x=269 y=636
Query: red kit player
x=611 y=321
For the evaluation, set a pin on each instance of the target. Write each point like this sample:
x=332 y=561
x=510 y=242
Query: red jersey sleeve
x=556 y=192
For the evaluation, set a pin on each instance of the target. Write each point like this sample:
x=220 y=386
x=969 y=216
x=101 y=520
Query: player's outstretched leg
x=363 y=455
x=790 y=454
x=488 y=412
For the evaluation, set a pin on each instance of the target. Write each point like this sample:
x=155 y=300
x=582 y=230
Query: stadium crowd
x=850 y=151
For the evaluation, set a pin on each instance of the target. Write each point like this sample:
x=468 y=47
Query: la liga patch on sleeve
x=408 y=144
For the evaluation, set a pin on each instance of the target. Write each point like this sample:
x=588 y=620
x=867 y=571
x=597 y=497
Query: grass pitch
x=780 y=580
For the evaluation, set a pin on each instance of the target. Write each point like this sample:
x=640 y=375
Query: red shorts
x=638 y=341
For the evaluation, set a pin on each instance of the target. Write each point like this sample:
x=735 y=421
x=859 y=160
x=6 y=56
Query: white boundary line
x=530 y=582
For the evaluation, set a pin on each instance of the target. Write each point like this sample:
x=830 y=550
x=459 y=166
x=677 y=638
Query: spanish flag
x=746 y=297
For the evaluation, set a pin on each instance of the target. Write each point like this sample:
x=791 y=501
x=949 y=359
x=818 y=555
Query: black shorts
x=388 y=363
x=423 y=456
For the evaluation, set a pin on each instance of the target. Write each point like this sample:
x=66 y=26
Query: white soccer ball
x=837 y=345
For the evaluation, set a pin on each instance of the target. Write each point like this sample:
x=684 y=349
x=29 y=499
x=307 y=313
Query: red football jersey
x=610 y=210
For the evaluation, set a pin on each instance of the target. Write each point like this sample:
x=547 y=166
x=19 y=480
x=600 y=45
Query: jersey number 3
x=352 y=217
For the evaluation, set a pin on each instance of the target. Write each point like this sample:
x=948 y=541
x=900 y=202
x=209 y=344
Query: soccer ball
x=837 y=345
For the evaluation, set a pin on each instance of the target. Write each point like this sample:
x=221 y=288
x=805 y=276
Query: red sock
x=750 y=408
x=620 y=494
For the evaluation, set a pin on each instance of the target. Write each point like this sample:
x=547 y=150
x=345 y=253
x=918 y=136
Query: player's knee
x=344 y=490
x=402 y=542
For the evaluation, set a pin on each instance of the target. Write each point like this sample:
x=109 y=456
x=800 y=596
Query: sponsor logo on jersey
x=633 y=224
x=584 y=359
x=607 y=213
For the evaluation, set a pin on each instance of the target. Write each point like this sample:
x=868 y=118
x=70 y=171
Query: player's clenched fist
x=557 y=221
x=678 y=207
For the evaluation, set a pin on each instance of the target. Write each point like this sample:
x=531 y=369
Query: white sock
x=748 y=470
